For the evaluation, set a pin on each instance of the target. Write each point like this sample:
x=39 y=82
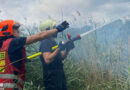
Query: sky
x=76 y=12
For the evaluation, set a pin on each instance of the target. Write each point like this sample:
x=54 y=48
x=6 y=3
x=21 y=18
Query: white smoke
x=31 y=11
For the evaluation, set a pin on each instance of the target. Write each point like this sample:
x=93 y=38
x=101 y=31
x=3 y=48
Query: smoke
x=72 y=10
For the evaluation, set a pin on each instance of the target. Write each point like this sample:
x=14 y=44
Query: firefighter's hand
x=61 y=46
x=69 y=46
x=62 y=26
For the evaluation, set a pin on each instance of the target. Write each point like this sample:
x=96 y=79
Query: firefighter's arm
x=45 y=34
x=40 y=36
x=49 y=57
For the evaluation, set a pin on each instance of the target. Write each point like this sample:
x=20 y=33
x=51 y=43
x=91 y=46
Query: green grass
x=80 y=76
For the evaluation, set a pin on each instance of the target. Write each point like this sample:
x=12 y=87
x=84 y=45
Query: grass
x=79 y=77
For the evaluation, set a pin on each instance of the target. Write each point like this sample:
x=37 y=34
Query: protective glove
x=61 y=45
x=62 y=26
x=69 y=46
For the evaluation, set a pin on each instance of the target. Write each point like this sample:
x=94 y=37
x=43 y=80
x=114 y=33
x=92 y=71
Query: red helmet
x=7 y=26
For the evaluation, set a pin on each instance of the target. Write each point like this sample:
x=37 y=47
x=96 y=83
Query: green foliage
x=79 y=77
x=34 y=75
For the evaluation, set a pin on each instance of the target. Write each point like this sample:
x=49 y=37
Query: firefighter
x=53 y=73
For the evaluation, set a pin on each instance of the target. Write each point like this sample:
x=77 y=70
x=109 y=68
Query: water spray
x=77 y=37
x=93 y=30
